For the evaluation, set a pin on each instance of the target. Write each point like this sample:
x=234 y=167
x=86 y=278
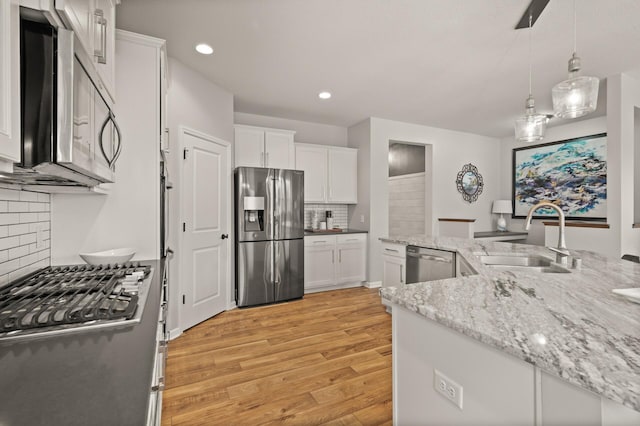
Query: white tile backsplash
x=339 y=214
x=22 y=213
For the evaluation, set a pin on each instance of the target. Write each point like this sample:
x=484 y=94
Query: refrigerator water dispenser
x=253 y=213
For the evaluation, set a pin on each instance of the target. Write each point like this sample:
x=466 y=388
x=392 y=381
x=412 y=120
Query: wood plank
x=323 y=359
x=579 y=224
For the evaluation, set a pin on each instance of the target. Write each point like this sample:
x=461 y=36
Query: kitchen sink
x=532 y=263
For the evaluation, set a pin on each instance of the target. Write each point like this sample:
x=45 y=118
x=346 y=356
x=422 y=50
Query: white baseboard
x=333 y=287
x=373 y=284
x=176 y=332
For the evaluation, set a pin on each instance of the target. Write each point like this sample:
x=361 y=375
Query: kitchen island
x=526 y=347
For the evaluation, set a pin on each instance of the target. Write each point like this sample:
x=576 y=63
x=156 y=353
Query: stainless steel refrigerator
x=269 y=224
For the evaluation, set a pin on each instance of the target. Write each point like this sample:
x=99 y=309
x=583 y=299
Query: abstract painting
x=570 y=173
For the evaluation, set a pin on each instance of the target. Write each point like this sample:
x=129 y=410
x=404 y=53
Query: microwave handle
x=110 y=161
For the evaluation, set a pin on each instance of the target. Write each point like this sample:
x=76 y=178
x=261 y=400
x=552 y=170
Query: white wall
x=306 y=132
x=451 y=150
x=199 y=104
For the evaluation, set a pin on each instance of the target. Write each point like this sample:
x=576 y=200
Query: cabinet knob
x=224 y=236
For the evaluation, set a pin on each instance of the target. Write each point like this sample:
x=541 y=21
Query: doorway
x=409 y=185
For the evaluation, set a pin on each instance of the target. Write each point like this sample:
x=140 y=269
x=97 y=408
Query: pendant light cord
x=575 y=31
x=530 y=18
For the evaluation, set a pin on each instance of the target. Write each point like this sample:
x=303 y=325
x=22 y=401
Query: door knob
x=224 y=236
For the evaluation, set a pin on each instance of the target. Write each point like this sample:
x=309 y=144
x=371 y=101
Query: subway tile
x=9 y=218
x=27 y=239
x=17 y=252
x=44 y=216
x=37 y=207
x=29 y=259
x=46 y=235
x=18 y=229
x=4 y=280
x=18 y=206
x=4 y=231
x=43 y=198
x=9 y=242
x=9 y=194
x=33 y=248
x=28 y=196
x=4 y=206
x=4 y=255
x=44 y=255
x=7 y=267
x=29 y=217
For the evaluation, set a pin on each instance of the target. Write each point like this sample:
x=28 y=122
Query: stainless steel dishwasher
x=425 y=264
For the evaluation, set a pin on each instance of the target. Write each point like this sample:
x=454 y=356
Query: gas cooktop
x=66 y=299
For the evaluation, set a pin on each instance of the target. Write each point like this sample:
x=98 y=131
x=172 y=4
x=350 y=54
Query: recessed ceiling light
x=324 y=95
x=204 y=48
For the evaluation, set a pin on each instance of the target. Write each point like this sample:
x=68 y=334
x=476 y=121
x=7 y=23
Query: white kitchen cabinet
x=330 y=173
x=9 y=83
x=351 y=263
x=334 y=261
x=94 y=24
x=394 y=264
x=343 y=175
x=263 y=147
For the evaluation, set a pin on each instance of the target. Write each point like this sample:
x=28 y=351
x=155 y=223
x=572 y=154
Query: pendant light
x=531 y=126
x=576 y=96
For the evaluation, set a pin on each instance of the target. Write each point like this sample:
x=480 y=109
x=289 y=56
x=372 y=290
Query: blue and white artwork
x=571 y=174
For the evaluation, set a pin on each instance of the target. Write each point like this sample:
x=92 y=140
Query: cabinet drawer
x=396 y=250
x=351 y=239
x=320 y=241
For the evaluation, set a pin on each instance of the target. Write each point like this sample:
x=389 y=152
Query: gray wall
x=405 y=159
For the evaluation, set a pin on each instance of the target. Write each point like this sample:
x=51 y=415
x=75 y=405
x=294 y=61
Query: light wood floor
x=325 y=359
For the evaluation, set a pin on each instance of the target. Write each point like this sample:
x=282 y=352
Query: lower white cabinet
x=394 y=264
x=334 y=261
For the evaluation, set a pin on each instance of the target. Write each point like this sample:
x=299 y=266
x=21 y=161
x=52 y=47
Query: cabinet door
x=249 y=147
x=319 y=262
x=279 y=151
x=351 y=263
x=393 y=271
x=343 y=176
x=79 y=15
x=104 y=39
x=9 y=81
x=313 y=161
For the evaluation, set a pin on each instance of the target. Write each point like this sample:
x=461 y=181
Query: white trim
x=174 y=333
x=184 y=130
x=268 y=129
x=372 y=284
x=333 y=287
x=140 y=39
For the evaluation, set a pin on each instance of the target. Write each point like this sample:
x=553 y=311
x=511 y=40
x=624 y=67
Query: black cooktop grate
x=74 y=294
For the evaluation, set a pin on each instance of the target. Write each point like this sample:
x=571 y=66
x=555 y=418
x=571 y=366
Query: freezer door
x=288 y=206
x=254 y=274
x=288 y=269
x=253 y=192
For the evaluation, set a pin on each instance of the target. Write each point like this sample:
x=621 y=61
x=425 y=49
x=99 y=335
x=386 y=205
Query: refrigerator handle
x=276 y=263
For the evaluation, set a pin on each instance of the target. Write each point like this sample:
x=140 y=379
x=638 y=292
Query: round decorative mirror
x=469 y=183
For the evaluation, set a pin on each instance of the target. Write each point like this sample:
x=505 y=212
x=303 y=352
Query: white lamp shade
x=502 y=206
x=575 y=97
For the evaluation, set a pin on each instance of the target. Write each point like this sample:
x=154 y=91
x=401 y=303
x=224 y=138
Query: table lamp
x=502 y=206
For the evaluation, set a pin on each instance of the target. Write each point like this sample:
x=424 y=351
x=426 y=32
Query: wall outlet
x=447 y=388
x=361 y=218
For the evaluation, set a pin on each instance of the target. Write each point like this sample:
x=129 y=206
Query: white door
x=279 y=150
x=313 y=161
x=206 y=183
x=351 y=263
x=394 y=271
x=319 y=262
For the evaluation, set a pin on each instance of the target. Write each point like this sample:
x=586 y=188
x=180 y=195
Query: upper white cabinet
x=9 y=81
x=263 y=147
x=94 y=23
x=330 y=173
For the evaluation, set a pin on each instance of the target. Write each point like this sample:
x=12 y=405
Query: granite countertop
x=570 y=325
x=308 y=233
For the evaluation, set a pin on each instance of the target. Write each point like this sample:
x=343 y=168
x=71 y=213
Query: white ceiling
x=455 y=64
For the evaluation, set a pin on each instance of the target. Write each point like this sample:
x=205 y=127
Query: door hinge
x=184 y=153
x=184 y=227
x=184 y=299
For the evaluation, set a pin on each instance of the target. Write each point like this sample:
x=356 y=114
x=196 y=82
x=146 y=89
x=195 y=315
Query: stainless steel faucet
x=561 y=251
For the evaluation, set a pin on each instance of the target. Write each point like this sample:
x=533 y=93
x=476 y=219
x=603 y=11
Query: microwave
x=70 y=136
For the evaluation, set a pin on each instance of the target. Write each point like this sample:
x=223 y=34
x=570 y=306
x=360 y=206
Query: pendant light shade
x=531 y=126
x=578 y=95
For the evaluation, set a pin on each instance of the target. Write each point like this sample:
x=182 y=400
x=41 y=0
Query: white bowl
x=112 y=256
